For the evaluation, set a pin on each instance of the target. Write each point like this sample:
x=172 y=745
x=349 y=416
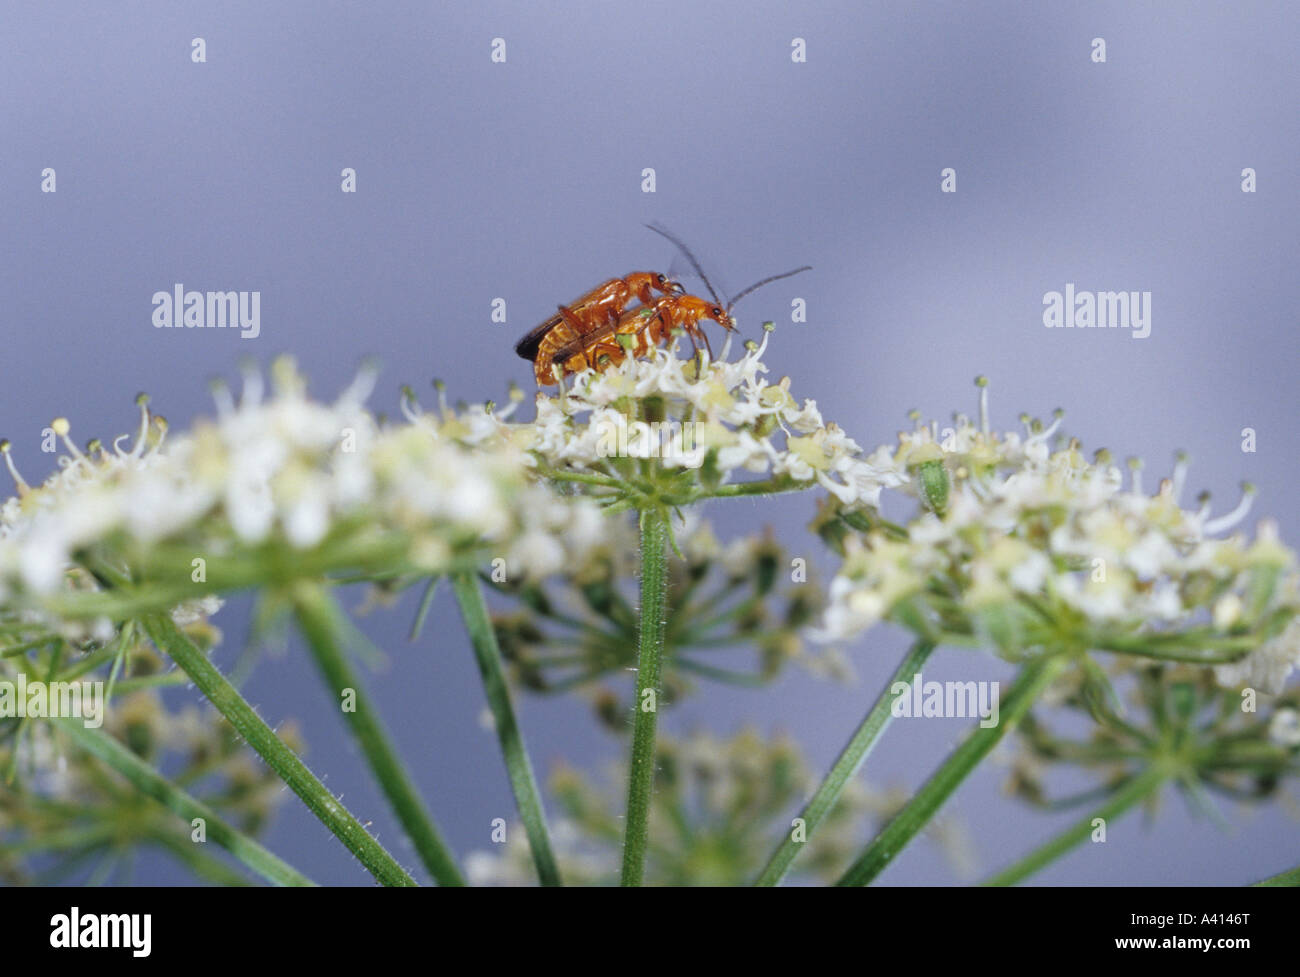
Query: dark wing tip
x=527 y=347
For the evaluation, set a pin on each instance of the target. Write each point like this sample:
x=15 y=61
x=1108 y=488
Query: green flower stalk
x=323 y=626
x=1291 y=877
x=845 y=768
x=641 y=775
x=1029 y=684
x=278 y=756
x=488 y=655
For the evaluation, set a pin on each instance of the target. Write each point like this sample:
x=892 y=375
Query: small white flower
x=193 y=611
x=1267 y=667
x=1284 y=727
x=1227 y=610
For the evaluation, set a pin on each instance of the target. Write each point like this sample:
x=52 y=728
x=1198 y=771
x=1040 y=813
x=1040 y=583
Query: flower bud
x=935 y=484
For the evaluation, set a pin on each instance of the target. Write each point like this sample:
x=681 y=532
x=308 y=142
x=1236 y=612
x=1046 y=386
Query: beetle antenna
x=766 y=281
x=689 y=257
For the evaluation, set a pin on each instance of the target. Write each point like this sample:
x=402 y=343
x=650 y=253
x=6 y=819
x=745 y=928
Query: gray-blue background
x=522 y=180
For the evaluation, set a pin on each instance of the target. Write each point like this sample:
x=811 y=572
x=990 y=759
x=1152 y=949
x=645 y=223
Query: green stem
x=1029 y=684
x=278 y=757
x=1131 y=792
x=149 y=782
x=426 y=602
x=487 y=652
x=846 y=765
x=583 y=478
x=323 y=626
x=641 y=771
x=766 y=487
x=1195 y=656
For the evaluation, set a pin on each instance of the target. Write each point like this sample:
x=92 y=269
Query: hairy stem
x=653 y=614
x=278 y=757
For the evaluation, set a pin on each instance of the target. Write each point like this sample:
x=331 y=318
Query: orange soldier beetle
x=639 y=330
x=595 y=332
x=635 y=334
x=598 y=308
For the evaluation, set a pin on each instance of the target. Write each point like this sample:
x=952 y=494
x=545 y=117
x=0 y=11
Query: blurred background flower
x=65 y=816
x=737 y=614
x=720 y=805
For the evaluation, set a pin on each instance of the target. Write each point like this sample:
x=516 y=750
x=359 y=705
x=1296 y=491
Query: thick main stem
x=846 y=766
x=653 y=615
x=278 y=757
x=1029 y=684
x=487 y=652
x=320 y=619
x=1129 y=793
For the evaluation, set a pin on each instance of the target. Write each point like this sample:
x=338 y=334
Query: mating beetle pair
x=597 y=330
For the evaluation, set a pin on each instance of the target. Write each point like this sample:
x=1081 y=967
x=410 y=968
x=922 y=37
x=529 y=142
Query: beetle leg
x=695 y=345
x=571 y=319
x=603 y=350
x=705 y=336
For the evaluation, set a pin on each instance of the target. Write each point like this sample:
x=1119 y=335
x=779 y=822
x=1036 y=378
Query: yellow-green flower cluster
x=1019 y=543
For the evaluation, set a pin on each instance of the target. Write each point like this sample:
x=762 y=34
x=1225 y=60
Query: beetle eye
x=717 y=312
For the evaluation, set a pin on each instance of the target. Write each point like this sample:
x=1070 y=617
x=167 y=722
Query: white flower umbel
x=1020 y=543
x=713 y=419
x=280 y=484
